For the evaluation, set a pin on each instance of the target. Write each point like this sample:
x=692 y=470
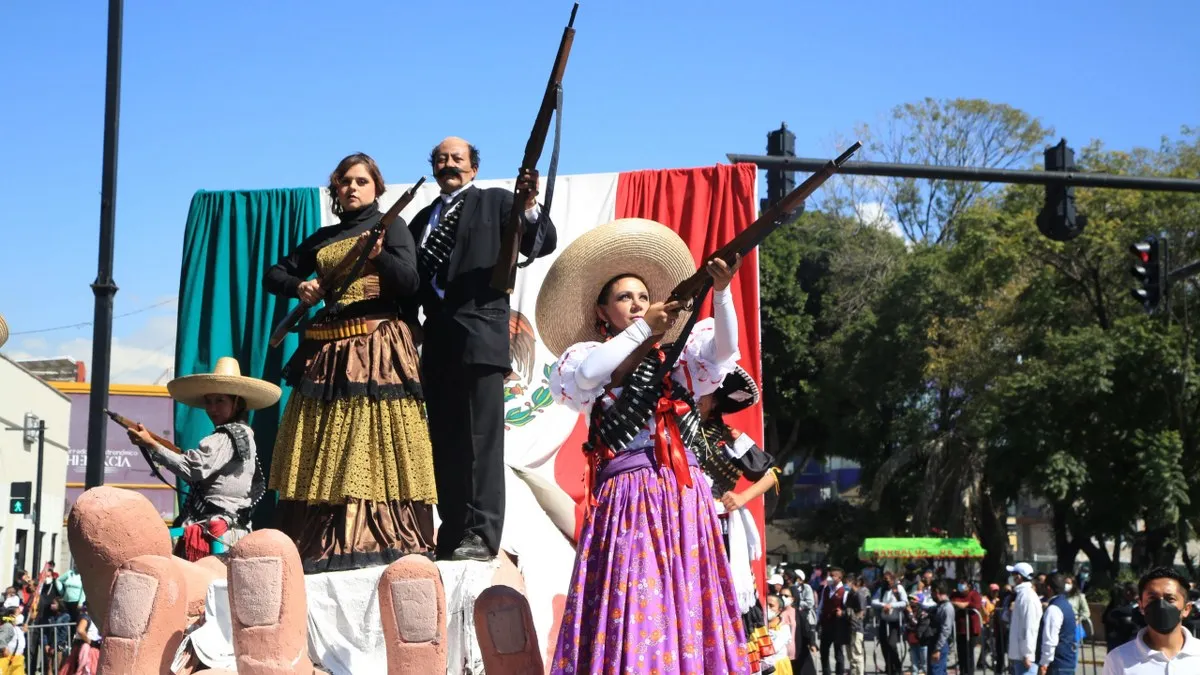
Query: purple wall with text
x=124 y=465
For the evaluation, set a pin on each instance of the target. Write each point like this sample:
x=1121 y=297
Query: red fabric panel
x=708 y=206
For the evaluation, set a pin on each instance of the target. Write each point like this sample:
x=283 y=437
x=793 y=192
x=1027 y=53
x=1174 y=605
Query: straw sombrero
x=226 y=378
x=737 y=392
x=567 y=299
x=3 y=331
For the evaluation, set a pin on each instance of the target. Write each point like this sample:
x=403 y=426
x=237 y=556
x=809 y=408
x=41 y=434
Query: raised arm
x=215 y=452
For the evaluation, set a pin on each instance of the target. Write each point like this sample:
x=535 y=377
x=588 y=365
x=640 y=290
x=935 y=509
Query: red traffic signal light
x=1150 y=270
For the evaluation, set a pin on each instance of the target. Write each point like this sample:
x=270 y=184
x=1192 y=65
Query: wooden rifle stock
x=504 y=275
x=130 y=425
x=771 y=220
x=356 y=257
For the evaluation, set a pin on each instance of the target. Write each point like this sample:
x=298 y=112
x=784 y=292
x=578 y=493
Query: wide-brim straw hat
x=226 y=378
x=3 y=331
x=566 y=303
x=737 y=392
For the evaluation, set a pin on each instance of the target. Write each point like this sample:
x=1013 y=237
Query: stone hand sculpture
x=144 y=600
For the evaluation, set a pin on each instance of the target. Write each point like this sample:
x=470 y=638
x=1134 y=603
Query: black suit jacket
x=470 y=324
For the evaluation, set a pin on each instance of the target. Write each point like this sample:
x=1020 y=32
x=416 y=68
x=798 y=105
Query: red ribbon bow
x=668 y=443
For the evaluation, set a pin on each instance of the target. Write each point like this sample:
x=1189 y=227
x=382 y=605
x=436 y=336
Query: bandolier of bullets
x=715 y=462
x=434 y=256
x=626 y=418
x=337 y=331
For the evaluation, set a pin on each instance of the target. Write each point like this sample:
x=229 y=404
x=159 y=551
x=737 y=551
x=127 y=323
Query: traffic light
x=1058 y=219
x=780 y=143
x=1150 y=269
x=19 y=497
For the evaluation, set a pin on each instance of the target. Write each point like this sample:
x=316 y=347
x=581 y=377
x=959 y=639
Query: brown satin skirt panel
x=383 y=364
x=356 y=534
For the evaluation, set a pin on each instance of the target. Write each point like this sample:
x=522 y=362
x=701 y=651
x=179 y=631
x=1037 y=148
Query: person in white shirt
x=1057 y=651
x=1163 y=646
x=1025 y=621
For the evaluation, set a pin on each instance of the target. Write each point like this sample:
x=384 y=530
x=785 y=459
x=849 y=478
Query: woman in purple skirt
x=651 y=591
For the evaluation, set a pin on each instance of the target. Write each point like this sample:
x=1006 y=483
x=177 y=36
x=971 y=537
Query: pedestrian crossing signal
x=18 y=497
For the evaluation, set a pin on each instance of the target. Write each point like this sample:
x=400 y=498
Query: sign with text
x=124 y=465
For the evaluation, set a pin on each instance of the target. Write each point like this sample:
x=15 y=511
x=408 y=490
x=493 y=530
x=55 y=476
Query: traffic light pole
x=37 y=499
x=1189 y=270
x=974 y=174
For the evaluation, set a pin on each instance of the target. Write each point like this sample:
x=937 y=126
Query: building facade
x=25 y=398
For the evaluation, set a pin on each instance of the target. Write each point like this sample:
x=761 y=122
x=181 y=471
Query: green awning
x=921 y=547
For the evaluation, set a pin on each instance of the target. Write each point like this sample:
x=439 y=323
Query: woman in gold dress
x=353 y=463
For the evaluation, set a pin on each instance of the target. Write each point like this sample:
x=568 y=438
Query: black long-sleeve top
x=396 y=264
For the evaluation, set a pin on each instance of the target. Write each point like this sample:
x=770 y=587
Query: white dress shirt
x=1137 y=658
x=1052 y=622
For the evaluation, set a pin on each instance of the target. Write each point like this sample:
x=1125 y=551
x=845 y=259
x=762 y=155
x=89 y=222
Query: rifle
x=504 y=275
x=132 y=426
x=692 y=291
x=356 y=257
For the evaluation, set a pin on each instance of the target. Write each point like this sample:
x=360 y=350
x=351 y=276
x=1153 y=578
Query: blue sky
x=223 y=95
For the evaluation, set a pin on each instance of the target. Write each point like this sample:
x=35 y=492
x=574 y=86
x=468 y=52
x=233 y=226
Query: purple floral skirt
x=651 y=591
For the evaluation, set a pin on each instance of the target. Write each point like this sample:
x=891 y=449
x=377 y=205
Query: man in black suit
x=465 y=352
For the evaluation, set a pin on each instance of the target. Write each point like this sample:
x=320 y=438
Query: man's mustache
x=448 y=171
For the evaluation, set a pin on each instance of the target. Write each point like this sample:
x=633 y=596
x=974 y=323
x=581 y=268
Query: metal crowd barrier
x=46 y=648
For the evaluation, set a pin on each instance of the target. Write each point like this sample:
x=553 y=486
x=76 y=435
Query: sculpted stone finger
x=146 y=617
x=507 y=638
x=412 y=605
x=268 y=605
x=107 y=528
x=196 y=578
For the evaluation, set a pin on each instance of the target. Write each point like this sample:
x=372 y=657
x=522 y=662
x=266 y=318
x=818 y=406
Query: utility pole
x=104 y=288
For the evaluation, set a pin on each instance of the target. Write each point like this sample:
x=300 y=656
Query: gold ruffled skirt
x=353 y=463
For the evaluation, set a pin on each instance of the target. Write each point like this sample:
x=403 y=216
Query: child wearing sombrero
x=728 y=456
x=223 y=471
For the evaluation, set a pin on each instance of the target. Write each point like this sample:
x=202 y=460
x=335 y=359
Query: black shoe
x=472 y=548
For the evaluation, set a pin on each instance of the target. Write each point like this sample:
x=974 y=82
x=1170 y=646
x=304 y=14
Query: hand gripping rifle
x=691 y=292
x=356 y=257
x=504 y=275
x=130 y=425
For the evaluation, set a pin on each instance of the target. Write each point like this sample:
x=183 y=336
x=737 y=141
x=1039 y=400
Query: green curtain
x=232 y=239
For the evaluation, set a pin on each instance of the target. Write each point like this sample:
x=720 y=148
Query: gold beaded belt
x=343 y=329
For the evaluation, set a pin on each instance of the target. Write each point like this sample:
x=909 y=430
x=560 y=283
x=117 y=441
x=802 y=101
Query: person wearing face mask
x=1057 y=650
x=889 y=603
x=833 y=622
x=1024 y=620
x=1079 y=603
x=968 y=608
x=781 y=637
x=788 y=617
x=1163 y=646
